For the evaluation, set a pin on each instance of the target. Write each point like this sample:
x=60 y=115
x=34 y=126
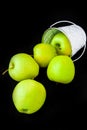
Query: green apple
x=61 y=69
x=49 y=34
x=28 y=96
x=43 y=53
x=23 y=66
x=62 y=44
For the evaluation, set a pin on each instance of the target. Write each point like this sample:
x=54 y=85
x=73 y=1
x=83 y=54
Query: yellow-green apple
x=43 y=53
x=62 y=44
x=49 y=34
x=23 y=66
x=28 y=96
x=61 y=69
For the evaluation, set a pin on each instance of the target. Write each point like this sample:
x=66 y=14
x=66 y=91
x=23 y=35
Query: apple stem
x=3 y=73
x=10 y=67
x=58 y=46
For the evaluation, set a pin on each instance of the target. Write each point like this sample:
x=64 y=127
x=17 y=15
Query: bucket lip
x=62 y=21
x=67 y=21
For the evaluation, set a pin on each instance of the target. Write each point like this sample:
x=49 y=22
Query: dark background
x=21 y=28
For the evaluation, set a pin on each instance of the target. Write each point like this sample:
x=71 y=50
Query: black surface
x=66 y=105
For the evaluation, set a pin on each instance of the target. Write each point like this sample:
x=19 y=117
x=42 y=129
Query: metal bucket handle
x=66 y=21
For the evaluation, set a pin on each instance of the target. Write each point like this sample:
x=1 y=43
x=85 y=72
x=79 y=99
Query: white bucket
x=75 y=34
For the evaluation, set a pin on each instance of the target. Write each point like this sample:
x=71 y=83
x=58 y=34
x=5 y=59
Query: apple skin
x=43 y=53
x=23 y=66
x=28 y=96
x=49 y=34
x=62 y=44
x=61 y=69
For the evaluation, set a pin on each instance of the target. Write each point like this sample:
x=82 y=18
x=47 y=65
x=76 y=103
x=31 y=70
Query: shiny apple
x=61 y=69
x=43 y=53
x=23 y=66
x=29 y=96
x=62 y=44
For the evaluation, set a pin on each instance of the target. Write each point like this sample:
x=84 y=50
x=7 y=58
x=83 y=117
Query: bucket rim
x=70 y=22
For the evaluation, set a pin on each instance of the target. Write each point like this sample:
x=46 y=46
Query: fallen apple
x=28 y=96
x=61 y=69
x=23 y=66
x=43 y=53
